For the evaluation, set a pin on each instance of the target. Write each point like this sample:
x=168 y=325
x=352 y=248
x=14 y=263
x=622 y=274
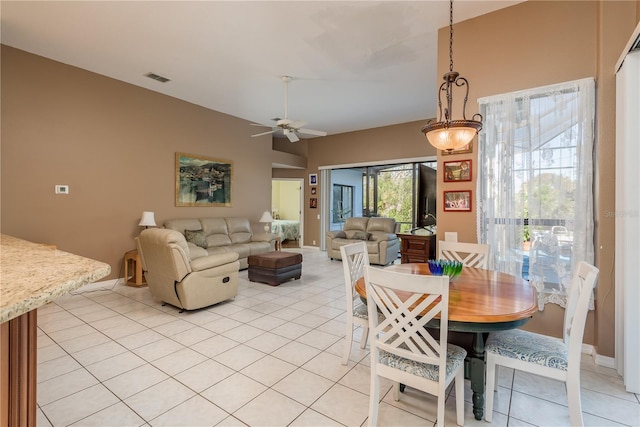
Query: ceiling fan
x=290 y=128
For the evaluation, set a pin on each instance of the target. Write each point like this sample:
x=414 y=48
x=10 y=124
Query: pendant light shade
x=453 y=137
x=446 y=134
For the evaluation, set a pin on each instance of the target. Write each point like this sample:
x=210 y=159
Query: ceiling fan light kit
x=290 y=128
x=446 y=134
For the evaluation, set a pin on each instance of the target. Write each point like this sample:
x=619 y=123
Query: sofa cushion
x=214 y=226
x=183 y=224
x=242 y=249
x=196 y=237
x=357 y=235
x=214 y=240
x=356 y=223
x=239 y=230
x=260 y=247
x=385 y=225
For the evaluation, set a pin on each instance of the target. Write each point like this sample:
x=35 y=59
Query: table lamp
x=147 y=220
x=266 y=219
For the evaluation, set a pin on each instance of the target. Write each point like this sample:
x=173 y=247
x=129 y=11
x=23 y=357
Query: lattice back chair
x=550 y=357
x=469 y=254
x=403 y=350
x=354 y=258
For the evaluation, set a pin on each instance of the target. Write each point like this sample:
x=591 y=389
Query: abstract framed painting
x=202 y=181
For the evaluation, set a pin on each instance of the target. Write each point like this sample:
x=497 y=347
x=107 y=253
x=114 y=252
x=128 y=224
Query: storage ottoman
x=273 y=268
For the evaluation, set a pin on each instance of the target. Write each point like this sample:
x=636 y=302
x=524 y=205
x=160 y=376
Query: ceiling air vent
x=157 y=77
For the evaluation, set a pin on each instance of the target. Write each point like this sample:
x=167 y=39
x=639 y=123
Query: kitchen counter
x=31 y=275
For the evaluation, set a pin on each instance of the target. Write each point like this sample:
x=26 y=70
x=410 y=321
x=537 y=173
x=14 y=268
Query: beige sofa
x=215 y=235
x=173 y=277
x=378 y=233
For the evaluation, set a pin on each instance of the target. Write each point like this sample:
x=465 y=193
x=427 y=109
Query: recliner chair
x=176 y=279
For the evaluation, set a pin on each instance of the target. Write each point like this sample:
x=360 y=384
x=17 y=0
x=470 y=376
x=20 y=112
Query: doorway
x=287 y=211
x=405 y=192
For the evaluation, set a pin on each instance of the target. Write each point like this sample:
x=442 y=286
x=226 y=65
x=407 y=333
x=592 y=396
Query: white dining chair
x=469 y=254
x=402 y=348
x=451 y=236
x=556 y=358
x=354 y=258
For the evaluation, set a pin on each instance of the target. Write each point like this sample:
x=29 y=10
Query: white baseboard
x=313 y=248
x=604 y=361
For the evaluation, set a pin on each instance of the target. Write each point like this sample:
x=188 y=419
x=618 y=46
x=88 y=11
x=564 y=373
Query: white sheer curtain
x=535 y=185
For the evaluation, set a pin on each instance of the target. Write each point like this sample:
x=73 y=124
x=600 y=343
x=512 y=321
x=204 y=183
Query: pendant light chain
x=447 y=134
x=451 y=36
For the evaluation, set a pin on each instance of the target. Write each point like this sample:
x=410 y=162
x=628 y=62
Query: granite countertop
x=32 y=275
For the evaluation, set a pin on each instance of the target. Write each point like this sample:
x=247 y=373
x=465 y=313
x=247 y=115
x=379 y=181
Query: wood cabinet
x=417 y=248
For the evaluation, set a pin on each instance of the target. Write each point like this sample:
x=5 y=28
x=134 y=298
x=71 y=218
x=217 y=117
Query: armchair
x=173 y=277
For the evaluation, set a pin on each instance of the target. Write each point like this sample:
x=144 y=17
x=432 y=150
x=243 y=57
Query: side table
x=416 y=248
x=132 y=262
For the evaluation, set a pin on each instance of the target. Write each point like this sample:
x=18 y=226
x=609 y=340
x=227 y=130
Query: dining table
x=480 y=301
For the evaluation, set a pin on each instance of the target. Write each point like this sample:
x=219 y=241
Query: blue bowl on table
x=443 y=267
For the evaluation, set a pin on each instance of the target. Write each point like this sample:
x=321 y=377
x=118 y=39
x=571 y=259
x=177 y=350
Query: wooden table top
x=478 y=295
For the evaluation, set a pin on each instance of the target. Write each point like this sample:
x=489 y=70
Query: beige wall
x=114 y=144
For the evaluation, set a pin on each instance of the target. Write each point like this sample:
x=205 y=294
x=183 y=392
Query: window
x=342 y=202
x=535 y=183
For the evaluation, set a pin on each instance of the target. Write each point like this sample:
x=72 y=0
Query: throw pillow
x=196 y=237
x=357 y=235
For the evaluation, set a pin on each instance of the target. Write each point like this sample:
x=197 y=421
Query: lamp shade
x=147 y=220
x=266 y=217
x=452 y=135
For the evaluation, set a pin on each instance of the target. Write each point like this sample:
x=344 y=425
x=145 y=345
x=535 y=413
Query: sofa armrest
x=336 y=235
x=263 y=237
x=383 y=237
x=211 y=261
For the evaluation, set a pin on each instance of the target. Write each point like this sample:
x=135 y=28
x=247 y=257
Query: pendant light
x=446 y=134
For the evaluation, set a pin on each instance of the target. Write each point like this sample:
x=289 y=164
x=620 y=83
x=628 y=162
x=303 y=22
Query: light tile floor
x=270 y=357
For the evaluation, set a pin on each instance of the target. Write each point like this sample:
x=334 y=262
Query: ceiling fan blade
x=260 y=124
x=263 y=133
x=312 y=132
x=297 y=124
x=292 y=136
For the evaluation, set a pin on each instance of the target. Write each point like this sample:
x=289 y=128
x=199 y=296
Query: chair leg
x=347 y=344
x=440 y=419
x=460 y=397
x=365 y=336
x=396 y=391
x=575 y=404
x=374 y=400
x=492 y=384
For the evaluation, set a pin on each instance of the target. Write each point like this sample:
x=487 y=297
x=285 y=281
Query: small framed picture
x=313 y=190
x=313 y=179
x=457 y=171
x=457 y=201
x=464 y=150
x=313 y=203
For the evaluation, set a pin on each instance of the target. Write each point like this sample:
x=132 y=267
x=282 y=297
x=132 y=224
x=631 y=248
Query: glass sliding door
x=396 y=191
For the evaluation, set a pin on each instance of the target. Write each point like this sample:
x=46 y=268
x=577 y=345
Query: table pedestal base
x=477 y=374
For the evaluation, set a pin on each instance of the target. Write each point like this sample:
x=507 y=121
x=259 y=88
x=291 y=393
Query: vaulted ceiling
x=355 y=65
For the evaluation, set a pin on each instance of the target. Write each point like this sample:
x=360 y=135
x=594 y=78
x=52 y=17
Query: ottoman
x=274 y=268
